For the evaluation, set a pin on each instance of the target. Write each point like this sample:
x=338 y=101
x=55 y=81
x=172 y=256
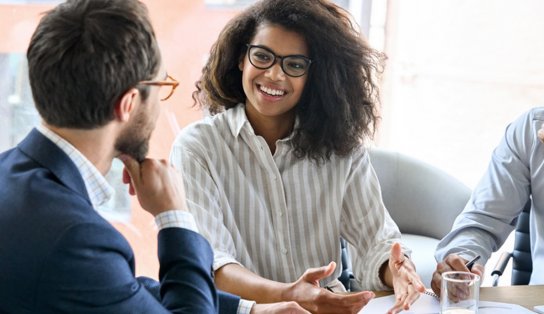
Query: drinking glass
x=460 y=293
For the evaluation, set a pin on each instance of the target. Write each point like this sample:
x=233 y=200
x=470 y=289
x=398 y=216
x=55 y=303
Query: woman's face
x=272 y=94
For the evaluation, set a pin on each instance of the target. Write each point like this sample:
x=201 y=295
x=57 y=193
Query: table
x=526 y=296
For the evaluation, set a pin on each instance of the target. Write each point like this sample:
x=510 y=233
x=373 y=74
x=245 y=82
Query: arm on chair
x=500 y=266
x=521 y=255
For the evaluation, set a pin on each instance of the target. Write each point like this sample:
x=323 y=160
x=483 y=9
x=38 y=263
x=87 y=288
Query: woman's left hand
x=406 y=282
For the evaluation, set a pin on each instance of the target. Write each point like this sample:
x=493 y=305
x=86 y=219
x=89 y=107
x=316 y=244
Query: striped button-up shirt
x=278 y=215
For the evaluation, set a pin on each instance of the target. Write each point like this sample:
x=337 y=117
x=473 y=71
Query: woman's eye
x=297 y=65
x=263 y=57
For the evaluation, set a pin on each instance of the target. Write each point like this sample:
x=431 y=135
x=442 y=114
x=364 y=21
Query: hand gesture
x=451 y=263
x=156 y=183
x=278 y=308
x=306 y=292
x=406 y=281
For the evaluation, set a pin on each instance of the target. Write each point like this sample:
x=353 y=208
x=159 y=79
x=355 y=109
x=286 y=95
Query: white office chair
x=422 y=199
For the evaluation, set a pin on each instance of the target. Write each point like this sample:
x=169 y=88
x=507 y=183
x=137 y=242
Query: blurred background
x=458 y=71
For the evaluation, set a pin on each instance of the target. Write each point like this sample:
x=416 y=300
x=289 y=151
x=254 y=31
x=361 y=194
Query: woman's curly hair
x=338 y=107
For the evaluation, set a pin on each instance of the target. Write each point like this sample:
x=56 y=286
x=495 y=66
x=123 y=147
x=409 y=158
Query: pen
x=471 y=263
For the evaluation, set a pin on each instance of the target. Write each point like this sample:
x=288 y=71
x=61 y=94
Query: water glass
x=460 y=293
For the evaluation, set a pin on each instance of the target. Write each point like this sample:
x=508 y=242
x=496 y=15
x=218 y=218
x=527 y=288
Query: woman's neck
x=272 y=129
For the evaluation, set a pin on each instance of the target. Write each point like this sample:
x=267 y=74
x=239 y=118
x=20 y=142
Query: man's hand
x=306 y=292
x=156 y=183
x=406 y=282
x=278 y=308
x=451 y=263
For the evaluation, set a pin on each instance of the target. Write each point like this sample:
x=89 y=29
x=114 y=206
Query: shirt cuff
x=244 y=307
x=376 y=281
x=221 y=259
x=176 y=219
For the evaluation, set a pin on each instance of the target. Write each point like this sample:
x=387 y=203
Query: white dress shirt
x=278 y=215
x=515 y=174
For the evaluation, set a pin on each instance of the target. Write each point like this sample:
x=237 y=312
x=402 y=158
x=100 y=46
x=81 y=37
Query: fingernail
x=368 y=294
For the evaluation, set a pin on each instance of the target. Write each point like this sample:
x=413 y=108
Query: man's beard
x=134 y=140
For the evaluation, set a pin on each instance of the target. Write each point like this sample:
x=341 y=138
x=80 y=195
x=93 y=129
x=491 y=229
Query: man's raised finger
x=132 y=167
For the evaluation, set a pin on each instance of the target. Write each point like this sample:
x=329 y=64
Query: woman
x=280 y=173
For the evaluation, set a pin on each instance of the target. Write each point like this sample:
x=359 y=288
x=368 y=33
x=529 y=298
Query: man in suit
x=96 y=77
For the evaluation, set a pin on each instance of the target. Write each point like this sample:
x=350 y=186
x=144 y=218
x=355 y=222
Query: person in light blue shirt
x=514 y=176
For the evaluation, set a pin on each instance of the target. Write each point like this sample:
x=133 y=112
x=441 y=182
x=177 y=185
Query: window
x=51 y=2
x=17 y=112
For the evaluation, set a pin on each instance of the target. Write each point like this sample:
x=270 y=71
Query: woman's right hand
x=307 y=292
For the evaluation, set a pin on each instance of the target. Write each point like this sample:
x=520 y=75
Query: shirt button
x=284 y=251
x=281 y=214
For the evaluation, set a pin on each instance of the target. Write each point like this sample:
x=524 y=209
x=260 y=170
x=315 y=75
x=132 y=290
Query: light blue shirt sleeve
x=176 y=219
x=491 y=213
x=245 y=306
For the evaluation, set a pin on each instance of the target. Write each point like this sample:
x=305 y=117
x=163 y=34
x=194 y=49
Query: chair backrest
x=346 y=277
x=522 y=265
x=421 y=199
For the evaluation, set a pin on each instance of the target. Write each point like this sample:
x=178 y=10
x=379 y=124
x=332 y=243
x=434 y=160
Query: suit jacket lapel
x=50 y=156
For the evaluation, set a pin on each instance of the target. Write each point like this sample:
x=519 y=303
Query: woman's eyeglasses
x=169 y=86
x=263 y=58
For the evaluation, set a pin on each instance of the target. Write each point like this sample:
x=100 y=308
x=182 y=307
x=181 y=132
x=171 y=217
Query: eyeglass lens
x=262 y=58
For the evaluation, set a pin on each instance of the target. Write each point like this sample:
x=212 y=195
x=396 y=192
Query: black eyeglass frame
x=276 y=58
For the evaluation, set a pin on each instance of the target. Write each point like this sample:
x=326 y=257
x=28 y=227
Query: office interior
x=457 y=72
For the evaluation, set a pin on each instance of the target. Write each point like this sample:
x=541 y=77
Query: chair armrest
x=346 y=277
x=500 y=266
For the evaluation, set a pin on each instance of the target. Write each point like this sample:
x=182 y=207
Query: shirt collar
x=238 y=119
x=99 y=190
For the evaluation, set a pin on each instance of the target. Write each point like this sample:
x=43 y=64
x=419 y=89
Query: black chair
x=346 y=277
x=522 y=262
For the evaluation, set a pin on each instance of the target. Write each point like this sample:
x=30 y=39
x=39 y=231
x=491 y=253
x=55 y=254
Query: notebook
x=427 y=304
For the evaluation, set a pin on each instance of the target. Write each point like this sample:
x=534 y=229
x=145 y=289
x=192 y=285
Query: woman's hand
x=307 y=292
x=406 y=282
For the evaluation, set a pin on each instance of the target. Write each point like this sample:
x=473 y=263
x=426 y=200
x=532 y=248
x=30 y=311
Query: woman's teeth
x=272 y=92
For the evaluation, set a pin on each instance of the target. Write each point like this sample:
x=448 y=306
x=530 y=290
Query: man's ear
x=127 y=104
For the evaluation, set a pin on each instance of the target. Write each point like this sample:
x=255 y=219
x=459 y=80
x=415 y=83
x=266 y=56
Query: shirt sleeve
x=490 y=215
x=205 y=201
x=368 y=227
x=176 y=219
x=245 y=306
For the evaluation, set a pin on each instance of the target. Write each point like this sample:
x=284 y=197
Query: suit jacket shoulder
x=60 y=256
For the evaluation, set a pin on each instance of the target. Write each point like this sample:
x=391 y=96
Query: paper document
x=427 y=304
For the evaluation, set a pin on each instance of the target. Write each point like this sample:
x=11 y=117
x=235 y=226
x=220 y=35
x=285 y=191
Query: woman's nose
x=275 y=72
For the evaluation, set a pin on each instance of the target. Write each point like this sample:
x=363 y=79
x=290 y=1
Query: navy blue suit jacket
x=58 y=255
